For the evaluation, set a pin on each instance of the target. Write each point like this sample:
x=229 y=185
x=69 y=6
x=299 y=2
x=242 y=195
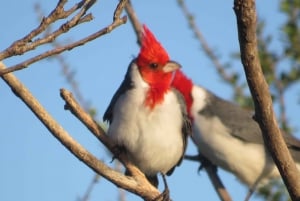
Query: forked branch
x=137 y=183
x=26 y=44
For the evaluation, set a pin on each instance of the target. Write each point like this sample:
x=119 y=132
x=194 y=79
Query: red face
x=153 y=63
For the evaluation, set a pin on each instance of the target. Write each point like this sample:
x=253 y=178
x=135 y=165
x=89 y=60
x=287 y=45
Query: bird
x=147 y=118
x=229 y=137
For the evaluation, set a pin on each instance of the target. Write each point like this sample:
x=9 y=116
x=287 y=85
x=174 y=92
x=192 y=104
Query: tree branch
x=208 y=51
x=137 y=26
x=211 y=171
x=137 y=184
x=90 y=188
x=264 y=114
x=24 y=45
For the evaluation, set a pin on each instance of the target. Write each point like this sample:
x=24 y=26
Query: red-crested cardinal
x=147 y=117
x=228 y=136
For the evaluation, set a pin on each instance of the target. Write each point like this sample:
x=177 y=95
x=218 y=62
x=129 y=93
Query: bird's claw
x=165 y=195
x=117 y=150
x=205 y=163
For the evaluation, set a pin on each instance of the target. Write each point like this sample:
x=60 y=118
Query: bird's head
x=184 y=85
x=153 y=61
x=155 y=67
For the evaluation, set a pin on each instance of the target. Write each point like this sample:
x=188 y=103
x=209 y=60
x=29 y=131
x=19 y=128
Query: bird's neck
x=155 y=94
x=184 y=85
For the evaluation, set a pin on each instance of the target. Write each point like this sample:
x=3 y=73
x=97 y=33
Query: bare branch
x=137 y=184
x=22 y=46
x=69 y=75
x=137 y=27
x=121 y=192
x=246 y=22
x=70 y=78
x=25 y=44
x=208 y=51
x=211 y=171
x=90 y=188
x=85 y=118
x=99 y=133
x=57 y=131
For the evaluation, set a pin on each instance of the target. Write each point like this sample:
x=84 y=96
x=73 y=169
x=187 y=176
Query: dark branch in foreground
x=246 y=22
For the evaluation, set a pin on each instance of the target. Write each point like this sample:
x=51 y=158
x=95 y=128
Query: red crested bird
x=148 y=119
x=228 y=136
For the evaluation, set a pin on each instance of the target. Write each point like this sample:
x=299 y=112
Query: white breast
x=247 y=161
x=152 y=137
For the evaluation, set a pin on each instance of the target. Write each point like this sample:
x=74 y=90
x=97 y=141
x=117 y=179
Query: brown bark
x=25 y=44
x=137 y=184
x=246 y=22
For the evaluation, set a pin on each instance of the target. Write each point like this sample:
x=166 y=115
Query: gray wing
x=125 y=85
x=241 y=123
x=238 y=120
x=186 y=126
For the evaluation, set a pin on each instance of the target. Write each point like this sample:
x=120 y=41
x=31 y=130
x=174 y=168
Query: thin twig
x=211 y=171
x=70 y=78
x=99 y=133
x=246 y=22
x=121 y=192
x=26 y=43
x=15 y=48
x=208 y=51
x=58 y=132
x=90 y=188
x=69 y=75
x=137 y=26
x=137 y=184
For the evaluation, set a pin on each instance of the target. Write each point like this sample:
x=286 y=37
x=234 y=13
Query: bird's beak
x=171 y=66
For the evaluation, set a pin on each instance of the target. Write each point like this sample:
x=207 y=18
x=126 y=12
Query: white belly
x=153 y=139
x=247 y=161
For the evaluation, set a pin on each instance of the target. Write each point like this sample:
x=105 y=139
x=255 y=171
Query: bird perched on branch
x=147 y=117
x=228 y=136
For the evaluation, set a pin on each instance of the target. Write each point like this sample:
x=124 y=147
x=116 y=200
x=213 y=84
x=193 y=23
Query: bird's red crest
x=151 y=50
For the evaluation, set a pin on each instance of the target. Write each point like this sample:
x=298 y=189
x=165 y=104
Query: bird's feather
x=186 y=126
x=241 y=124
x=126 y=85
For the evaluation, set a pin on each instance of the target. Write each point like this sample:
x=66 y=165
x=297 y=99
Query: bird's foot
x=206 y=163
x=251 y=191
x=165 y=195
x=117 y=150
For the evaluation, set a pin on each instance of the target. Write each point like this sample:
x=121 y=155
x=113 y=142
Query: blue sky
x=35 y=166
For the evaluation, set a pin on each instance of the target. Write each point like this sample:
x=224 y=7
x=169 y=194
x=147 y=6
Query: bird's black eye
x=153 y=65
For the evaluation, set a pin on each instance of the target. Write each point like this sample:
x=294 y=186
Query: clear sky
x=35 y=166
